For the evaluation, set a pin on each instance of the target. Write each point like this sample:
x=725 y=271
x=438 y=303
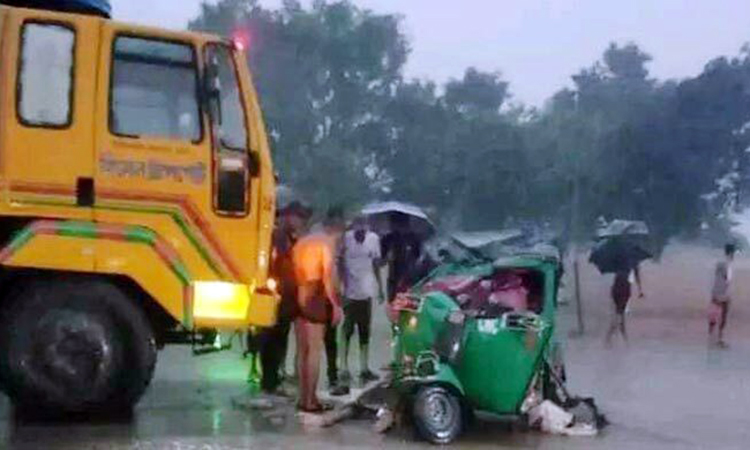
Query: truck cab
x=136 y=202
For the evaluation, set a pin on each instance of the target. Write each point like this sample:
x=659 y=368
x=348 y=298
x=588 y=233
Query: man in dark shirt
x=401 y=249
x=292 y=223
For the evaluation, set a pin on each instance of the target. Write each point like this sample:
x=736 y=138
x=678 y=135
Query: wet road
x=666 y=390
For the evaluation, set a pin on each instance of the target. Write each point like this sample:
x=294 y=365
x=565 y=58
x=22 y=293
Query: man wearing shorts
x=721 y=295
x=359 y=262
x=314 y=260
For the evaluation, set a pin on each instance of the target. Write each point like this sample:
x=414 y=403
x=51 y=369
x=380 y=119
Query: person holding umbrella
x=620 y=250
x=621 y=294
x=403 y=228
x=402 y=249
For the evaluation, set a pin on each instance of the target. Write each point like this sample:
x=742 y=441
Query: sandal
x=317 y=409
x=314 y=410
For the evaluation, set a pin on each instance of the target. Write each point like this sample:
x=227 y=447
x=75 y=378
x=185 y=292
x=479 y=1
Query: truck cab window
x=45 y=80
x=232 y=128
x=154 y=90
x=227 y=112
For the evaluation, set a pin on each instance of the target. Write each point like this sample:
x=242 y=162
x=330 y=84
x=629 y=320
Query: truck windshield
x=154 y=90
x=232 y=128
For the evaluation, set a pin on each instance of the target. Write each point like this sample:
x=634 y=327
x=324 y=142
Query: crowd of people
x=329 y=278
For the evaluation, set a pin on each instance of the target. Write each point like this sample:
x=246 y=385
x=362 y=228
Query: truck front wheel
x=74 y=345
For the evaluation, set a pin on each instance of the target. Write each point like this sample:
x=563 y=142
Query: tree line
x=347 y=127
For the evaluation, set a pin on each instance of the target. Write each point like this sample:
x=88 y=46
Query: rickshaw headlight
x=426 y=368
x=413 y=322
x=427 y=364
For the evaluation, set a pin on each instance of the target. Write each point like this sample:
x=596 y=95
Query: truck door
x=157 y=165
x=235 y=163
x=48 y=143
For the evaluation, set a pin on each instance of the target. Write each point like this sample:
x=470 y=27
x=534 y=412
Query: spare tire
x=74 y=345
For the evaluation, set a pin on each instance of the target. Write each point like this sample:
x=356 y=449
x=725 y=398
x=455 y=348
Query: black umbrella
x=383 y=215
x=618 y=254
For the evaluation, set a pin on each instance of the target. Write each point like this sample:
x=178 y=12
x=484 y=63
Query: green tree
x=346 y=127
x=458 y=152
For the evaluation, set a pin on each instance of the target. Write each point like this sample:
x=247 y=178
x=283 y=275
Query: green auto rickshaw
x=457 y=352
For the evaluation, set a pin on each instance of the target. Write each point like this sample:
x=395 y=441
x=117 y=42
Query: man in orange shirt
x=314 y=260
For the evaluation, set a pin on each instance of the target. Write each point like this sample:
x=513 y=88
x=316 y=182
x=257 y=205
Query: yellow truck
x=136 y=204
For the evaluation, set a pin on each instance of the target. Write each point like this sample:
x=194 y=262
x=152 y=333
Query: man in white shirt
x=359 y=263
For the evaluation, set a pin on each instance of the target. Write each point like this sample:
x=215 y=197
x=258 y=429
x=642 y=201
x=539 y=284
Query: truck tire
x=437 y=414
x=74 y=345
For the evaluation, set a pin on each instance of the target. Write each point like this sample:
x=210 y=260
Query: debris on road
x=553 y=419
x=253 y=403
x=373 y=402
x=550 y=418
x=576 y=417
x=386 y=421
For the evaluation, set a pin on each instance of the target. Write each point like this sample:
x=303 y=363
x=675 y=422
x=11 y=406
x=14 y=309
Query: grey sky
x=536 y=44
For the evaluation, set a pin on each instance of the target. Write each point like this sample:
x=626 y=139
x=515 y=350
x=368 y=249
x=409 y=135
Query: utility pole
x=575 y=232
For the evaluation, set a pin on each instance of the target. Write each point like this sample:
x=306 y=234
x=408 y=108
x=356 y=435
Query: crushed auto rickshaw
x=478 y=337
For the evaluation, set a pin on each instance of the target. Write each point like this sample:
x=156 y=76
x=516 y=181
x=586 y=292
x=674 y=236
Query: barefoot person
x=313 y=258
x=721 y=296
x=621 y=293
x=360 y=261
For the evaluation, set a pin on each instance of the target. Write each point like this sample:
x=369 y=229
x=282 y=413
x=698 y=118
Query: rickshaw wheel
x=437 y=414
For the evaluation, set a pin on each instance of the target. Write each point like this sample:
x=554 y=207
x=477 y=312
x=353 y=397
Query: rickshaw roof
x=530 y=261
x=526 y=260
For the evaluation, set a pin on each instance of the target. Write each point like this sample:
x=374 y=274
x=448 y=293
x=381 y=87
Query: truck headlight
x=220 y=300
